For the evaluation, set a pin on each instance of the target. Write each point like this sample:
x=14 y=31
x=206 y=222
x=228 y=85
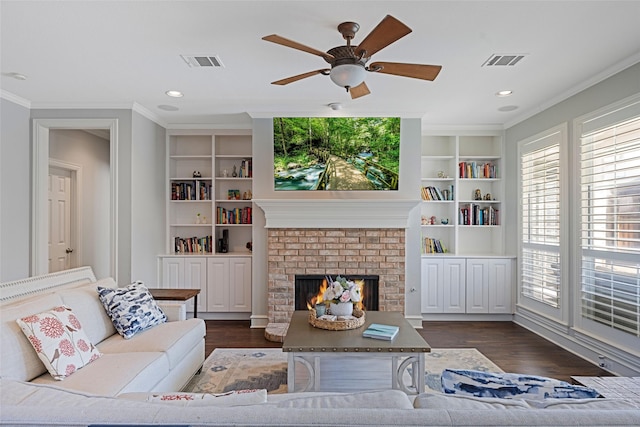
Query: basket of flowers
x=338 y=311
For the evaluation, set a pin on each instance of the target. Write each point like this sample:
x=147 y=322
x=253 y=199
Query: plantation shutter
x=610 y=226
x=540 y=221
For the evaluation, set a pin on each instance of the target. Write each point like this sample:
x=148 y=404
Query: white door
x=59 y=206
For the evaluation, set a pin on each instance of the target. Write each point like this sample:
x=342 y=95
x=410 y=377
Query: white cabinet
x=224 y=282
x=466 y=285
x=186 y=273
x=229 y=284
x=443 y=289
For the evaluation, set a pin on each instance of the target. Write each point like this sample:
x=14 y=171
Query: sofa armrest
x=174 y=310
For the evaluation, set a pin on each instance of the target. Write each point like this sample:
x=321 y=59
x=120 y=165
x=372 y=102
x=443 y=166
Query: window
x=610 y=225
x=540 y=221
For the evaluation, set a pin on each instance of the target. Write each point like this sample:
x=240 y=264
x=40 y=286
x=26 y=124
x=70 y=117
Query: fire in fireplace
x=308 y=287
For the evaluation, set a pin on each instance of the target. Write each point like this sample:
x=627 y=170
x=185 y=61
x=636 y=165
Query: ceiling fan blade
x=358 y=91
x=416 y=71
x=274 y=38
x=300 y=77
x=388 y=31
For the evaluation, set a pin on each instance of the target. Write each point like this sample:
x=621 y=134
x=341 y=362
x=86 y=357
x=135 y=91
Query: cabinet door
x=195 y=277
x=500 y=285
x=454 y=285
x=432 y=296
x=172 y=272
x=477 y=286
x=240 y=284
x=217 y=284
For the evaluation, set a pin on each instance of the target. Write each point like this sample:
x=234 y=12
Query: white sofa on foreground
x=162 y=358
x=131 y=383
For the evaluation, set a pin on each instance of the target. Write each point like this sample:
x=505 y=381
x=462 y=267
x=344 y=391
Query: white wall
x=15 y=190
x=92 y=154
x=148 y=191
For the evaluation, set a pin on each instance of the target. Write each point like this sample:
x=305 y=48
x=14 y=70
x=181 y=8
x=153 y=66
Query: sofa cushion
x=387 y=399
x=231 y=398
x=444 y=401
x=132 y=309
x=487 y=384
x=18 y=361
x=176 y=339
x=88 y=307
x=59 y=339
x=113 y=374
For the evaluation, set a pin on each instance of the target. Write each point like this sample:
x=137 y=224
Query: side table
x=177 y=295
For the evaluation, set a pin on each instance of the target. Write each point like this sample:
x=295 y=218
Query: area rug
x=229 y=369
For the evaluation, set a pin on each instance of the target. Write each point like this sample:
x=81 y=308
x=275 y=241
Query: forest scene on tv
x=336 y=153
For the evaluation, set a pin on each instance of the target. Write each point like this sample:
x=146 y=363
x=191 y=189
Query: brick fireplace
x=349 y=251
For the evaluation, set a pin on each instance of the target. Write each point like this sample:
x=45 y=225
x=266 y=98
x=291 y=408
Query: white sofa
x=162 y=358
x=114 y=389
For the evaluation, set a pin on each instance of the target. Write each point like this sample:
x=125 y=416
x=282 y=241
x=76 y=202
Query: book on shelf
x=381 y=332
x=234 y=216
x=473 y=214
x=475 y=170
x=434 y=193
x=433 y=246
x=193 y=244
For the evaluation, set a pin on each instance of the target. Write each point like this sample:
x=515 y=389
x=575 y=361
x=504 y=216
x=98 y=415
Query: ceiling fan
x=349 y=63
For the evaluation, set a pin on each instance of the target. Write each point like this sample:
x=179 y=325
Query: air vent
x=503 y=60
x=203 y=61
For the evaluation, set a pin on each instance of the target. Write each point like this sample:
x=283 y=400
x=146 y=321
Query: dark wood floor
x=513 y=348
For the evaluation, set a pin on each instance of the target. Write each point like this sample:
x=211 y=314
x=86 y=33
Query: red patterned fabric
x=58 y=338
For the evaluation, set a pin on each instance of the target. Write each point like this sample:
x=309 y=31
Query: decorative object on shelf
x=197 y=174
x=249 y=246
x=432 y=220
x=337 y=323
x=235 y=172
x=487 y=196
x=198 y=219
x=424 y=220
x=441 y=174
x=444 y=221
x=225 y=173
x=477 y=195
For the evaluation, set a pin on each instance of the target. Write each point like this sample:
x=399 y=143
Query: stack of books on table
x=381 y=332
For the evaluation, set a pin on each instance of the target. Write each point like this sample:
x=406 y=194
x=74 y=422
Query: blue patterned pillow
x=132 y=309
x=486 y=384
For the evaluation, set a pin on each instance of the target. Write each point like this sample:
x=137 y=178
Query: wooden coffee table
x=309 y=346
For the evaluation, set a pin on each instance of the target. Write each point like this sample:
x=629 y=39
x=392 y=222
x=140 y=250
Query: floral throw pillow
x=58 y=338
x=132 y=309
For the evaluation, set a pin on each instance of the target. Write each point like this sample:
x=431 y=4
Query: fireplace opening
x=307 y=287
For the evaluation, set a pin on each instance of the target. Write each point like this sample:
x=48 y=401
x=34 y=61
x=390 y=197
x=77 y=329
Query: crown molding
x=15 y=99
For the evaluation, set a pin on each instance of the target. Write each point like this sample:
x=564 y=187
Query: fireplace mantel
x=324 y=213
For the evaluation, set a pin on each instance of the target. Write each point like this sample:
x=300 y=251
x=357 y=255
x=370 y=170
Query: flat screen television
x=336 y=153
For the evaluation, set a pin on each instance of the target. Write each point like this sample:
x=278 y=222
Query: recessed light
x=504 y=93
x=508 y=108
x=335 y=106
x=174 y=93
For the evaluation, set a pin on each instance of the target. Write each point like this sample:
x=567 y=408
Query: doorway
x=40 y=189
x=65 y=216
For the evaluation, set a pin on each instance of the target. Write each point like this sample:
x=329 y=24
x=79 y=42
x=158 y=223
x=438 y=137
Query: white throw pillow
x=132 y=309
x=59 y=340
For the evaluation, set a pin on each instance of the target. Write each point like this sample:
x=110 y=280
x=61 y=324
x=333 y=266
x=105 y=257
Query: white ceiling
x=119 y=54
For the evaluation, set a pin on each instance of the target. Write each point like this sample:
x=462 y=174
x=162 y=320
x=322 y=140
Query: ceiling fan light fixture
x=347 y=75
